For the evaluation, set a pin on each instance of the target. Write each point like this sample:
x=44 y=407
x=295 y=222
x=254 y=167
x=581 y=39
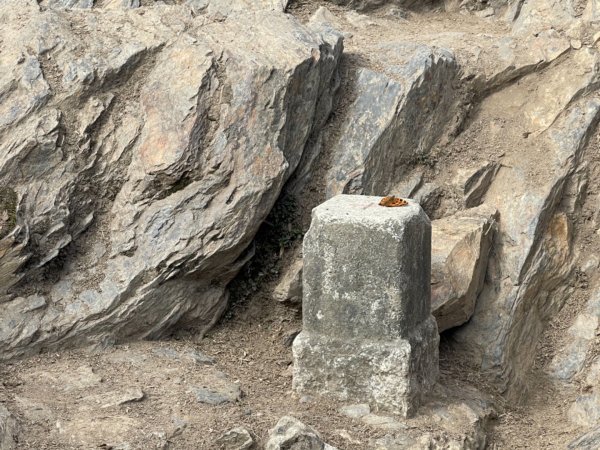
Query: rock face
x=134 y=180
x=289 y=288
x=460 y=247
x=403 y=112
x=368 y=333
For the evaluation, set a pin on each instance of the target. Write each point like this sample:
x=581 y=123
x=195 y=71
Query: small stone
x=178 y=426
x=589 y=441
x=288 y=339
x=8 y=429
x=347 y=437
x=306 y=399
x=115 y=398
x=576 y=44
x=291 y=434
x=199 y=358
x=356 y=411
x=237 y=438
x=217 y=397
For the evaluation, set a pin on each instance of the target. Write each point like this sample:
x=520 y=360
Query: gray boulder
x=459 y=256
x=135 y=177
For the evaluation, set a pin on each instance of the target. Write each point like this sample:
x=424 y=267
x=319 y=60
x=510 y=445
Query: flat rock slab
x=195 y=356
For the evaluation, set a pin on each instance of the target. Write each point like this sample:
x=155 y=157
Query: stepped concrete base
x=389 y=375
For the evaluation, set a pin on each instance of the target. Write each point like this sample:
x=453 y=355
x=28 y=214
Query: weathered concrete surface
x=459 y=256
x=366 y=5
x=456 y=418
x=368 y=332
x=402 y=112
x=135 y=177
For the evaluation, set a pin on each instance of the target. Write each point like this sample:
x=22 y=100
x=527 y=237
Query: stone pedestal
x=368 y=334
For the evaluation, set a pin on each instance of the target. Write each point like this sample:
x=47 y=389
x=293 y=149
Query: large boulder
x=459 y=255
x=395 y=119
x=133 y=176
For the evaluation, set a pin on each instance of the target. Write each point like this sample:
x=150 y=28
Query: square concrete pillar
x=368 y=333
